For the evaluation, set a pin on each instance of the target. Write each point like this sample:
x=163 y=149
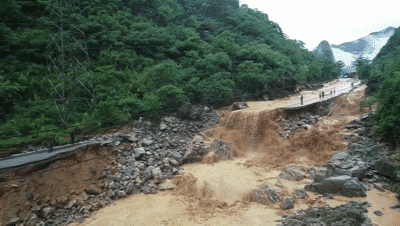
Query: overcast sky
x=312 y=21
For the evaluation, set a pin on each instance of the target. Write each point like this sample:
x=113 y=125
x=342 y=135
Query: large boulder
x=344 y=164
x=386 y=168
x=190 y=111
x=340 y=163
x=293 y=173
x=342 y=185
x=350 y=214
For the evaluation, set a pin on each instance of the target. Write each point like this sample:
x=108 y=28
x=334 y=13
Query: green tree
x=389 y=112
x=363 y=67
x=251 y=77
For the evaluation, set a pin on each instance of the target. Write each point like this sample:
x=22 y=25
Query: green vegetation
x=385 y=72
x=363 y=67
x=123 y=57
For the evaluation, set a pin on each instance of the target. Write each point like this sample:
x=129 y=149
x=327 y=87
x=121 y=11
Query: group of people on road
x=322 y=95
x=332 y=93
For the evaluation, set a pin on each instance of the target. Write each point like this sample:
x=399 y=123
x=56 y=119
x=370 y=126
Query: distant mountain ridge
x=391 y=48
x=324 y=49
x=367 y=47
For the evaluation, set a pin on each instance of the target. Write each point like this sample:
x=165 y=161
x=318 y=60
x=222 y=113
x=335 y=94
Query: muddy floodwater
x=219 y=193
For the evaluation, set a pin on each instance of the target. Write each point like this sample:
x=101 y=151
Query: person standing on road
x=51 y=144
x=301 y=99
x=334 y=91
x=323 y=94
x=320 y=95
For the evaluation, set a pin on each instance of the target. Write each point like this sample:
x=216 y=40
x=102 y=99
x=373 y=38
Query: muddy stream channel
x=220 y=191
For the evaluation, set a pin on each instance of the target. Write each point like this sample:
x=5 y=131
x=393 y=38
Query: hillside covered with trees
x=80 y=65
x=383 y=74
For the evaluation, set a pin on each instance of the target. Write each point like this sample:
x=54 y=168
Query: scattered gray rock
x=14 y=221
x=128 y=138
x=92 y=190
x=147 y=142
x=356 y=121
x=300 y=193
x=378 y=213
x=296 y=122
x=157 y=175
x=111 y=194
x=173 y=162
x=239 y=105
x=306 y=126
x=190 y=111
x=353 y=126
x=46 y=212
x=167 y=185
x=365 y=117
x=122 y=194
x=71 y=204
x=293 y=173
x=113 y=185
x=288 y=203
x=129 y=188
x=139 y=153
x=363 y=131
x=195 y=151
x=222 y=149
x=32 y=221
x=163 y=126
x=265 y=195
x=397 y=206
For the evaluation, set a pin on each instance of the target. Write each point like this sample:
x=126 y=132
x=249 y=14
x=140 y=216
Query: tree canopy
x=122 y=57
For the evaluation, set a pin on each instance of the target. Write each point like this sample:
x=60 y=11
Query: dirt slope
x=55 y=182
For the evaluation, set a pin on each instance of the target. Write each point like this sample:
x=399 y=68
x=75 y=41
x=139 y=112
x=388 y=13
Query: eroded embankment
x=33 y=188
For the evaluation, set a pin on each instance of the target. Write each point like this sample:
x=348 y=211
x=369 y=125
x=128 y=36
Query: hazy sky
x=312 y=21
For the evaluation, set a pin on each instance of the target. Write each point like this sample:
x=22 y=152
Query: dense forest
x=81 y=65
x=383 y=75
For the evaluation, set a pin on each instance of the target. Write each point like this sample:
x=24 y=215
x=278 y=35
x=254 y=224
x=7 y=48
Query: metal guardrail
x=44 y=154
